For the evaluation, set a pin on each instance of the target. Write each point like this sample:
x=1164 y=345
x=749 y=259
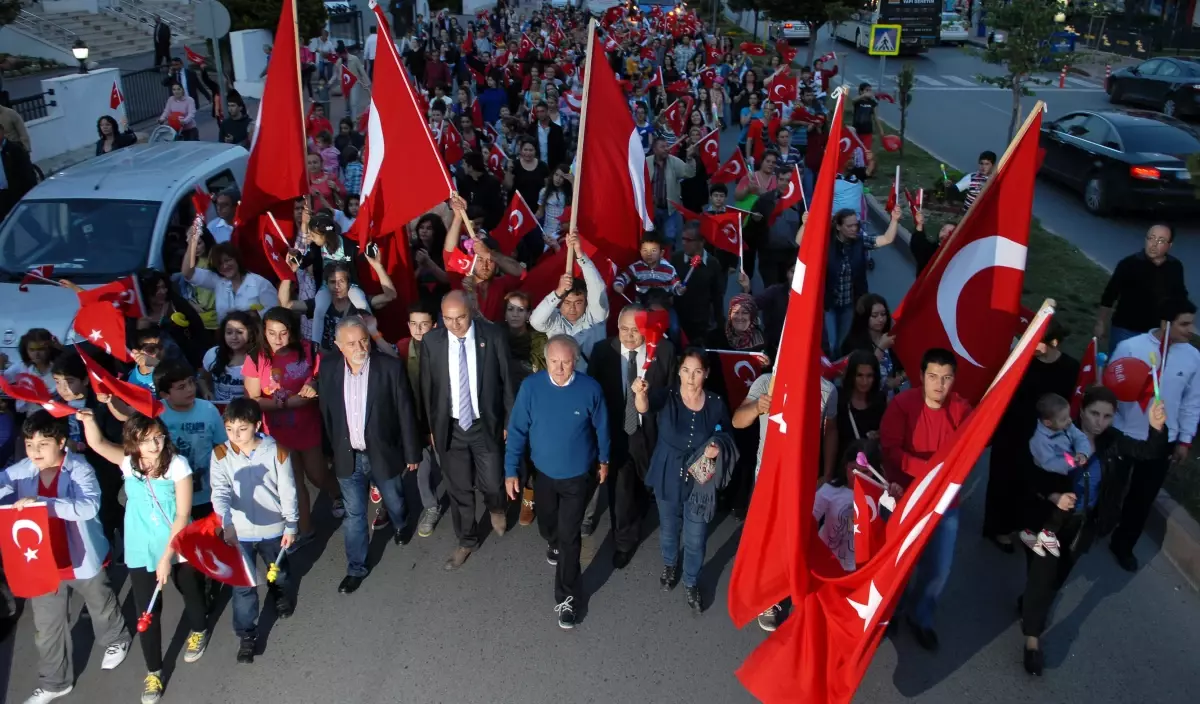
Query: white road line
x=929 y=81
x=961 y=81
x=1071 y=80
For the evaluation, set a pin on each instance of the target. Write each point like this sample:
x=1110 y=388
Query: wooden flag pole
x=583 y=117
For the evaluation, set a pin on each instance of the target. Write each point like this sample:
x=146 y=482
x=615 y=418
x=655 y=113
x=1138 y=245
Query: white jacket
x=1179 y=385
x=256 y=494
x=590 y=328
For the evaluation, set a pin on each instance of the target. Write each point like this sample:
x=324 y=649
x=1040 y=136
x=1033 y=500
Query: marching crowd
x=604 y=388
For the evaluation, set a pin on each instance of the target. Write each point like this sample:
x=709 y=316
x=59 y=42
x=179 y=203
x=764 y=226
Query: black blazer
x=556 y=145
x=18 y=168
x=391 y=428
x=495 y=388
x=604 y=365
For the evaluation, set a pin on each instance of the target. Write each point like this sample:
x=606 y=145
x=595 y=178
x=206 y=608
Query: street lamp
x=80 y=51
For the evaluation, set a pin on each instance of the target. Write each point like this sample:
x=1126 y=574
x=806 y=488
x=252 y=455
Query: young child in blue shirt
x=147 y=353
x=194 y=424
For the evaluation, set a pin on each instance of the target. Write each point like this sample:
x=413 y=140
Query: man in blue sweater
x=560 y=416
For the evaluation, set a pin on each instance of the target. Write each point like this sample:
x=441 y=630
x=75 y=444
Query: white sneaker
x=41 y=696
x=1049 y=541
x=114 y=655
x=1032 y=542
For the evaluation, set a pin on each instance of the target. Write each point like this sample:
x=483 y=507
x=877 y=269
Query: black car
x=1170 y=85
x=1122 y=159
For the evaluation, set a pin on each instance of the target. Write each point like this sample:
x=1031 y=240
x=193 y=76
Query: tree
x=904 y=96
x=264 y=14
x=1028 y=27
x=815 y=13
x=9 y=9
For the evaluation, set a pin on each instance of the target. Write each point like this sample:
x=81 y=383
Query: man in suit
x=552 y=146
x=188 y=78
x=17 y=176
x=467 y=395
x=366 y=406
x=162 y=42
x=615 y=363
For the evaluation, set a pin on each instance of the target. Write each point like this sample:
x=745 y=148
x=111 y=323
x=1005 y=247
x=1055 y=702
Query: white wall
x=249 y=60
x=17 y=41
x=79 y=100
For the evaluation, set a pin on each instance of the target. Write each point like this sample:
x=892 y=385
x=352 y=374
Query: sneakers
x=669 y=578
x=551 y=555
x=527 y=512
x=114 y=655
x=152 y=688
x=284 y=607
x=381 y=519
x=1049 y=541
x=197 y=642
x=1032 y=542
x=41 y=696
x=246 y=647
x=769 y=619
x=693 y=598
x=338 y=509
x=429 y=520
x=376 y=497
x=566 y=614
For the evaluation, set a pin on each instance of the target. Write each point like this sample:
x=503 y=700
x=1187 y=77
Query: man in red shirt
x=915 y=426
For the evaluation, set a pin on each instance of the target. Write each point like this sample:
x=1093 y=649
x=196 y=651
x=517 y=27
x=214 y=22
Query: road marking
x=1081 y=83
x=929 y=81
x=993 y=107
x=961 y=81
x=1049 y=90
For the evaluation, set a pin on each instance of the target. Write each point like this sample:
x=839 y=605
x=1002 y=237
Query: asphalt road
x=955 y=117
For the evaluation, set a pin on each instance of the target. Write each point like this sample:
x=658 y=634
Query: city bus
x=920 y=22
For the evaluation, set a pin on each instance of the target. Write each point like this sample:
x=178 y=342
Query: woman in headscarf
x=742 y=331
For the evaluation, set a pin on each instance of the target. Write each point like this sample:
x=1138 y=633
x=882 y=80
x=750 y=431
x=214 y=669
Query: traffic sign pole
x=212 y=20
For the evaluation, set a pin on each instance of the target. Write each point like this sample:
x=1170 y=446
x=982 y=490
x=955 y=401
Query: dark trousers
x=774 y=265
x=1144 y=483
x=472 y=461
x=190 y=584
x=560 y=507
x=627 y=499
x=162 y=54
x=1044 y=576
x=1007 y=476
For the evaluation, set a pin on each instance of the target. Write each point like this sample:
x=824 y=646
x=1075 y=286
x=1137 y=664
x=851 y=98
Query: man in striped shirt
x=972 y=184
x=651 y=271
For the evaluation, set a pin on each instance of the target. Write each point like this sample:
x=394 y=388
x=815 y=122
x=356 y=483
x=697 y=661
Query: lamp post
x=80 y=51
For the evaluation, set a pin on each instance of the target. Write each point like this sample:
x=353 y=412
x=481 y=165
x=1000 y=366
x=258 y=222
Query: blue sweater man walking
x=560 y=417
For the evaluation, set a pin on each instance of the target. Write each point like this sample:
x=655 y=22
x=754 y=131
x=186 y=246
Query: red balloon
x=1127 y=377
x=891 y=143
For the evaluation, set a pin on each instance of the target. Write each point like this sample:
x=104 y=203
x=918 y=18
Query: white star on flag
x=96 y=336
x=867 y=611
x=31 y=555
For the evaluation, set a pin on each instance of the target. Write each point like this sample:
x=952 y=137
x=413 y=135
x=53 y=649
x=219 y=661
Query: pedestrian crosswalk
x=965 y=83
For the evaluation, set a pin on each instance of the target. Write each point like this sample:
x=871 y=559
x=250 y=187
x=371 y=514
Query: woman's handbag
x=703 y=469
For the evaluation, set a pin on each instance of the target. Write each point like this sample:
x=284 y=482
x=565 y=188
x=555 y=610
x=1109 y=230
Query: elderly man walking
x=368 y=448
x=560 y=416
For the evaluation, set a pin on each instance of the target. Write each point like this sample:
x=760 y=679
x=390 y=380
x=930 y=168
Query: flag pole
x=583 y=116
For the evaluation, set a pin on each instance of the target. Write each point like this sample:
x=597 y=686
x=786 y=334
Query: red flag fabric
x=652 y=324
x=783 y=90
x=275 y=246
x=525 y=47
x=194 y=57
x=30 y=567
x=124 y=294
x=801 y=114
x=891 y=143
x=675 y=116
x=612 y=210
x=451 y=143
x=200 y=544
x=115 y=98
x=723 y=230
x=755 y=140
x=37 y=273
x=869 y=526
x=740 y=370
x=733 y=170
x=647 y=53
x=458 y=262
x=708 y=76
x=983 y=263
x=847 y=145
x=712 y=56
x=201 y=201
x=886 y=97
x=687 y=214
x=822 y=651
x=894 y=193
x=833 y=370
x=495 y=161
x=680 y=87
x=779 y=525
x=348 y=81
x=104 y=326
x=468 y=44
x=709 y=148
x=31 y=389
x=753 y=49
x=912 y=204
x=518 y=222
x=656 y=78
x=793 y=195
x=1088 y=377
x=103 y=381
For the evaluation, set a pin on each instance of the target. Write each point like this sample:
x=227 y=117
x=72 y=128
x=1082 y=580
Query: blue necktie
x=466 y=412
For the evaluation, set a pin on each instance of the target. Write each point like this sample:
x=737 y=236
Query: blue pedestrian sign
x=885 y=40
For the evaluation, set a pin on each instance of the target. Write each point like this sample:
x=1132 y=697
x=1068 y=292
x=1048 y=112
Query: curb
x=1171 y=526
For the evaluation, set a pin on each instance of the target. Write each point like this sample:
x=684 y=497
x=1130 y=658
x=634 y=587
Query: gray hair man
x=577 y=307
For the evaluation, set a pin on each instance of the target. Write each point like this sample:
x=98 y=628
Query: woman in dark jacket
x=111 y=136
x=1094 y=503
x=1052 y=371
x=861 y=402
x=871 y=331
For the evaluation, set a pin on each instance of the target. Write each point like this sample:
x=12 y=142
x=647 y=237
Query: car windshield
x=86 y=240
x=1159 y=138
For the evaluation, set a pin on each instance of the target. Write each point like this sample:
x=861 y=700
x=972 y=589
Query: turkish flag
x=495 y=161
x=103 y=326
x=458 y=262
x=1088 y=377
x=656 y=79
x=712 y=56
x=675 y=116
x=782 y=91
x=733 y=170
x=652 y=324
x=847 y=145
x=115 y=98
x=833 y=370
x=893 y=193
x=31 y=389
x=708 y=76
x=518 y=222
x=202 y=546
x=779 y=526
x=755 y=140
x=275 y=246
x=914 y=206
x=740 y=370
x=753 y=49
x=982 y=263
x=801 y=114
x=869 y=526
x=612 y=208
x=103 y=381
x=822 y=651
x=124 y=294
x=468 y=44
x=787 y=54
x=709 y=148
x=201 y=201
x=723 y=230
x=793 y=195
x=451 y=143
x=679 y=87
x=525 y=47
x=194 y=57
x=30 y=567
x=647 y=53
x=610 y=44
x=37 y=273
x=886 y=97
x=348 y=81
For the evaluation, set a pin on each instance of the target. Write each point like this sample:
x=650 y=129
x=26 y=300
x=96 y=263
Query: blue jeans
x=837 y=326
x=245 y=599
x=672 y=519
x=1118 y=335
x=669 y=226
x=354 y=497
x=929 y=579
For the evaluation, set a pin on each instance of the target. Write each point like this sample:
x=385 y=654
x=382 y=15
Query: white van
x=98 y=221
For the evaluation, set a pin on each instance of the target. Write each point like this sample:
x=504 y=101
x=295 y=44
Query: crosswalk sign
x=885 y=40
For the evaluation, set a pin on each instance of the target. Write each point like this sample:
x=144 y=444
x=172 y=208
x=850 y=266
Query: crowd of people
x=564 y=399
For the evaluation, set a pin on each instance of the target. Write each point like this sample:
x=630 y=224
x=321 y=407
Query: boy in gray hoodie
x=254 y=493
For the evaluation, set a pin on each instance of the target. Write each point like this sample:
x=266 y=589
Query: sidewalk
x=1084 y=57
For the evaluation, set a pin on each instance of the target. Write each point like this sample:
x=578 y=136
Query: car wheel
x=1170 y=107
x=1095 y=196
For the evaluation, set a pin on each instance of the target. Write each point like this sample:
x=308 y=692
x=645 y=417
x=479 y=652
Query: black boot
x=284 y=607
x=245 y=653
x=1034 y=661
x=693 y=599
x=669 y=578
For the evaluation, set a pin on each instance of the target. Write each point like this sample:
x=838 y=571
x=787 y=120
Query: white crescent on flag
x=973 y=258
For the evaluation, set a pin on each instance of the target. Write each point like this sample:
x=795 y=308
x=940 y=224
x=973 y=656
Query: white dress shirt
x=641 y=361
x=220 y=230
x=472 y=370
x=369 y=47
x=254 y=291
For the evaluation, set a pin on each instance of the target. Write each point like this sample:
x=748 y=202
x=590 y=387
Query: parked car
x=1122 y=159
x=100 y=220
x=1171 y=85
x=954 y=29
x=791 y=31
